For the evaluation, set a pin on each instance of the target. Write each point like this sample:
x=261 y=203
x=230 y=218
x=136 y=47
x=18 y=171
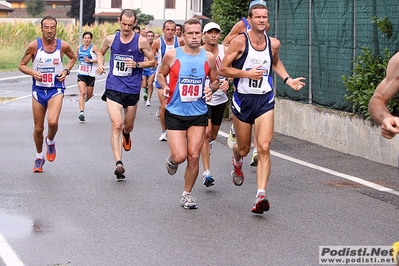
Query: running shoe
x=188 y=202
x=261 y=204
x=127 y=142
x=51 y=152
x=208 y=179
x=171 y=167
x=254 y=160
x=119 y=171
x=81 y=116
x=164 y=136
x=236 y=174
x=38 y=167
x=210 y=147
x=148 y=103
x=231 y=140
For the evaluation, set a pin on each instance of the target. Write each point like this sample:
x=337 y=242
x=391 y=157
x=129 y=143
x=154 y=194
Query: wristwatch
x=137 y=65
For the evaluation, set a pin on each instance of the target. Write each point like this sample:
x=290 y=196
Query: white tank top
x=219 y=96
x=255 y=58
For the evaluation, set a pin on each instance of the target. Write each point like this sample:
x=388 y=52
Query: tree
x=88 y=11
x=207 y=8
x=35 y=7
x=227 y=12
x=143 y=19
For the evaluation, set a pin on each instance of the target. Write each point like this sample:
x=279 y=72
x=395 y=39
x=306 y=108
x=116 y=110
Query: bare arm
x=103 y=49
x=213 y=77
x=155 y=47
x=146 y=50
x=384 y=92
x=95 y=51
x=279 y=68
x=164 y=69
x=238 y=28
x=29 y=54
x=181 y=42
x=67 y=50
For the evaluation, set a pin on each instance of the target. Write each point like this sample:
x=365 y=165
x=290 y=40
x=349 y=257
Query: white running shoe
x=171 y=167
x=163 y=136
x=210 y=147
x=82 y=116
x=231 y=140
x=254 y=160
x=188 y=202
x=148 y=103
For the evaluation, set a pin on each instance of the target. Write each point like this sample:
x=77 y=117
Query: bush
x=368 y=71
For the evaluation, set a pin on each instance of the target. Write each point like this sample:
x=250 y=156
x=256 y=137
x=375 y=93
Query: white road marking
x=329 y=171
x=7 y=254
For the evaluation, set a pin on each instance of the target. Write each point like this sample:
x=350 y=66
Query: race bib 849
x=190 y=88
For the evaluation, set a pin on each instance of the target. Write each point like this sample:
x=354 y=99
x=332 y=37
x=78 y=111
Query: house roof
x=107 y=15
x=49 y=2
x=6 y=8
x=201 y=17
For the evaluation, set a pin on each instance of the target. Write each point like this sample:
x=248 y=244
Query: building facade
x=177 y=10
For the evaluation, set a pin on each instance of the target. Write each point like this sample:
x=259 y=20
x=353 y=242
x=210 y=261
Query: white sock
x=50 y=142
x=39 y=155
x=186 y=193
x=237 y=162
x=255 y=150
x=206 y=172
x=261 y=191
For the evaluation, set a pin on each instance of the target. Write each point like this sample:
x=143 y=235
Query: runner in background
x=48 y=85
x=123 y=84
x=166 y=42
x=148 y=74
x=87 y=56
x=217 y=104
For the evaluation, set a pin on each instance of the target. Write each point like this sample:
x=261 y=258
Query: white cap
x=211 y=25
x=257 y=2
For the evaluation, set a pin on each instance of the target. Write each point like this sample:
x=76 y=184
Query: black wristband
x=285 y=80
x=67 y=70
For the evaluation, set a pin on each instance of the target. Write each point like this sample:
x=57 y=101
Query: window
x=116 y=3
x=196 y=5
x=170 y=4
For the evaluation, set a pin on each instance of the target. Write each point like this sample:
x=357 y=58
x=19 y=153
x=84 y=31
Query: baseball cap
x=257 y=2
x=211 y=25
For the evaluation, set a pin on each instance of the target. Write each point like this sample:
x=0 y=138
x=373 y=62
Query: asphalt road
x=77 y=213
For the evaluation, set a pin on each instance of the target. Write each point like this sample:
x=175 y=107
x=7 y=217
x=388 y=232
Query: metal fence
x=320 y=38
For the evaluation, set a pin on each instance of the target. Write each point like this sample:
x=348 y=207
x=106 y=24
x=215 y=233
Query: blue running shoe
x=208 y=179
x=51 y=152
x=38 y=167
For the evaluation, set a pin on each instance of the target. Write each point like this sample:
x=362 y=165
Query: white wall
x=336 y=130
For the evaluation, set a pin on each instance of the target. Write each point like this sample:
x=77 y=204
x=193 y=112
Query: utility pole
x=80 y=21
